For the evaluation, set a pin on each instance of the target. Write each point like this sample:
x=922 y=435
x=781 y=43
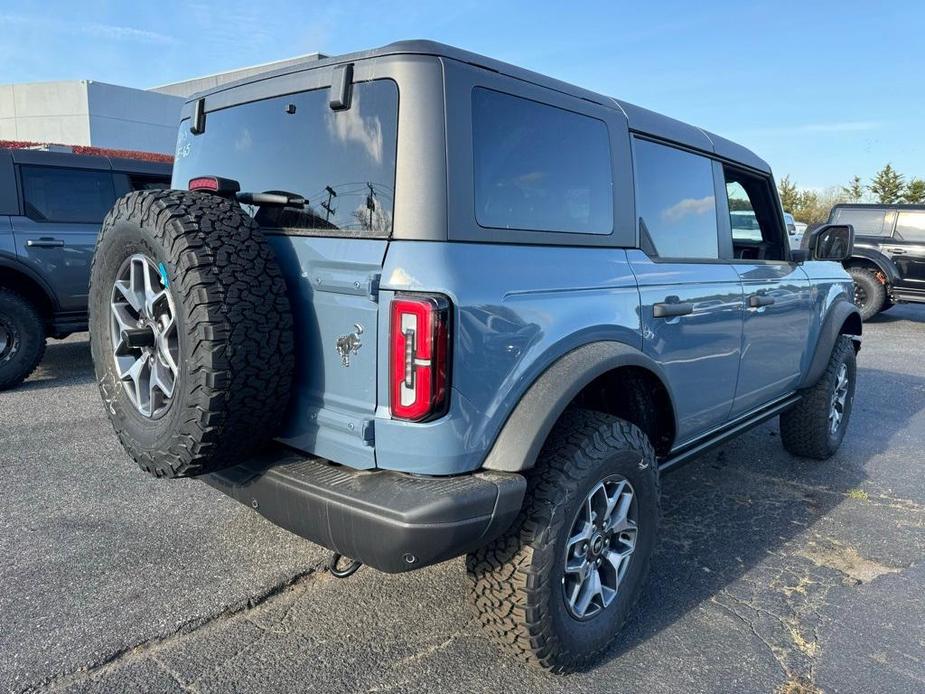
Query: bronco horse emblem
x=349 y=344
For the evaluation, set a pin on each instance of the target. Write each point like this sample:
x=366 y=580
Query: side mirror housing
x=831 y=242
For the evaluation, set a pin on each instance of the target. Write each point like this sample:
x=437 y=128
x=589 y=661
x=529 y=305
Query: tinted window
x=675 y=202
x=539 y=167
x=341 y=162
x=910 y=226
x=866 y=222
x=66 y=195
x=148 y=182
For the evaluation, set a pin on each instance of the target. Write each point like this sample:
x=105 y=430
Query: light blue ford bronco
x=415 y=303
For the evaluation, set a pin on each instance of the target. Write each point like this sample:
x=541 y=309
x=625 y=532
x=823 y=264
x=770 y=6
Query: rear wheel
x=22 y=338
x=869 y=292
x=557 y=587
x=191 y=331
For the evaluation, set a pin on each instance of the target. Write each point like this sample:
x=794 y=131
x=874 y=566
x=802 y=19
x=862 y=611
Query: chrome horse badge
x=349 y=344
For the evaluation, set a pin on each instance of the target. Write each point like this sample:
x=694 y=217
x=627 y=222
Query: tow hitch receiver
x=347 y=571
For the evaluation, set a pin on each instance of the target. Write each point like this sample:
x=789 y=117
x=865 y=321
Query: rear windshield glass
x=341 y=162
x=539 y=167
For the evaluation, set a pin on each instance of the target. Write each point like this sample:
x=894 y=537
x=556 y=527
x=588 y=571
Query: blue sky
x=822 y=90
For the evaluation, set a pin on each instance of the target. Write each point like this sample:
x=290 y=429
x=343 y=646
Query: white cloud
x=351 y=126
x=112 y=32
x=687 y=207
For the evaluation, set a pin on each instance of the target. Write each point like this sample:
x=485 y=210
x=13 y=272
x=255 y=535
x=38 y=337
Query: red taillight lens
x=419 y=353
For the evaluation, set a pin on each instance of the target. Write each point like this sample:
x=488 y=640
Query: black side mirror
x=831 y=242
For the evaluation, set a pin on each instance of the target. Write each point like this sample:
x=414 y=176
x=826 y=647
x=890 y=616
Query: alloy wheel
x=599 y=548
x=144 y=334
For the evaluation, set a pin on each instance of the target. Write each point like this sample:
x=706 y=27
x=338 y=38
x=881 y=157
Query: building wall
x=45 y=112
x=125 y=118
x=90 y=113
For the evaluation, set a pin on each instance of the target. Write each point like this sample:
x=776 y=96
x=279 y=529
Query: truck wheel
x=816 y=426
x=557 y=587
x=191 y=331
x=22 y=338
x=869 y=292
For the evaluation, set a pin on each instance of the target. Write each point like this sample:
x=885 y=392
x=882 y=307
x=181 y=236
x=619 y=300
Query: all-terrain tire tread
x=804 y=429
x=508 y=577
x=238 y=328
x=35 y=321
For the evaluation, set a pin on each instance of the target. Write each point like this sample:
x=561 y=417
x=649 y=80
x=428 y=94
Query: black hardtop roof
x=640 y=120
x=87 y=161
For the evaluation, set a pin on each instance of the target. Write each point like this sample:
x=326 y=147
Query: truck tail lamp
x=419 y=354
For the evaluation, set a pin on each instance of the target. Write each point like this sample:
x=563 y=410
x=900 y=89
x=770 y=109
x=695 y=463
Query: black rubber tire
x=804 y=429
x=234 y=325
x=874 y=292
x=515 y=582
x=26 y=343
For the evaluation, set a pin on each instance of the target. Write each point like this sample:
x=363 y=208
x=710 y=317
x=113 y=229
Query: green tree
x=854 y=191
x=789 y=195
x=887 y=185
x=914 y=194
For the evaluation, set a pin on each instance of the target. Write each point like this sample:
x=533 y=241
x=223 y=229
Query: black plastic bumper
x=391 y=521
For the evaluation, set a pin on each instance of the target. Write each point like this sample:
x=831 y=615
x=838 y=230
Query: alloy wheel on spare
x=600 y=547
x=144 y=333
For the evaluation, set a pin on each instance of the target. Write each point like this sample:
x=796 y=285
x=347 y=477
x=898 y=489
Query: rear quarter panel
x=517 y=309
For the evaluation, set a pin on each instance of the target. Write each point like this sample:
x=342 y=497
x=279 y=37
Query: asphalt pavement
x=773 y=573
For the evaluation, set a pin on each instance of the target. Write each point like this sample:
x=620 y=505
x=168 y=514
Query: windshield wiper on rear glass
x=280 y=198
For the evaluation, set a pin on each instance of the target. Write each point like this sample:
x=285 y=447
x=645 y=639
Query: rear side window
x=866 y=222
x=538 y=167
x=148 y=182
x=675 y=202
x=910 y=226
x=341 y=162
x=52 y=194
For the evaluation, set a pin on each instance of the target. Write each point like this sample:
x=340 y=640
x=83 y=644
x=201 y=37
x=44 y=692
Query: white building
x=97 y=114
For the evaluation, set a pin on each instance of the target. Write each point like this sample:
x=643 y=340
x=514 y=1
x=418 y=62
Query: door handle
x=759 y=300
x=44 y=243
x=670 y=309
x=896 y=251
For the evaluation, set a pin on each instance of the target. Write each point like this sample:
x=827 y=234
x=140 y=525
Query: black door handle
x=759 y=300
x=44 y=243
x=670 y=309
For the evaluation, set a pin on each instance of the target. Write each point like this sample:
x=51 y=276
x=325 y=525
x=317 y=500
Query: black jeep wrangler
x=888 y=262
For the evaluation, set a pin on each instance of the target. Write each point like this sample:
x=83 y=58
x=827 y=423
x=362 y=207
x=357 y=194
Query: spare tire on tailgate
x=191 y=331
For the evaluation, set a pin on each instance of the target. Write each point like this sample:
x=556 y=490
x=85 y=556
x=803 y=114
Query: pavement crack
x=150 y=647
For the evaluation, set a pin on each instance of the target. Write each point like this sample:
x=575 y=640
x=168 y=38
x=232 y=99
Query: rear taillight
x=419 y=353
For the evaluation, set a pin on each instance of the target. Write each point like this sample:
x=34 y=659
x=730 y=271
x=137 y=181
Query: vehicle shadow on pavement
x=898 y=314
x=67 y=362
x=729 y=511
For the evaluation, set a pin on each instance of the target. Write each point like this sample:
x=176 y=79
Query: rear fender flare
x=518 y=444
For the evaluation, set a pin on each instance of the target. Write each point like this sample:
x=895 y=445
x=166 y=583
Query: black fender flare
x=24 y=270
x=887 y=267
x=839 y=314
x=517 y=445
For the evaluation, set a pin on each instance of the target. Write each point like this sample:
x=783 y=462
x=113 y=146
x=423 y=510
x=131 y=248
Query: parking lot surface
x=773 y=573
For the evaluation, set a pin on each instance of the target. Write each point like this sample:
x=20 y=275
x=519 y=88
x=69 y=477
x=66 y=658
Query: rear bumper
x=389 y=520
